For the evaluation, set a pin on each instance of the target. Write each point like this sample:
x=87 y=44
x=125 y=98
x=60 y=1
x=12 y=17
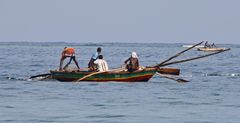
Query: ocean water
x=211 y=96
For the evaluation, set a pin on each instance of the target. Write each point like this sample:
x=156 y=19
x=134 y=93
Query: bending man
x=68 y=52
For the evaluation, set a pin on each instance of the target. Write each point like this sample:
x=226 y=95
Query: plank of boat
x=169 y=71
x=214 y=49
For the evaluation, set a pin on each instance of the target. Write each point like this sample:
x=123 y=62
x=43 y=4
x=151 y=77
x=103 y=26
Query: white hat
x=134 y=55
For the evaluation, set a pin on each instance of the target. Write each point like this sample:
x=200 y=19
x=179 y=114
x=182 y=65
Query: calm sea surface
x=211 y=96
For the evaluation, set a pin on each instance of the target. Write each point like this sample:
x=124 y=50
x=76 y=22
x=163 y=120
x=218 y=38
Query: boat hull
x=136 y=76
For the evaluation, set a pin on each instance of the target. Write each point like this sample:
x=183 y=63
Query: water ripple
x=227 y=74
x=106 y=116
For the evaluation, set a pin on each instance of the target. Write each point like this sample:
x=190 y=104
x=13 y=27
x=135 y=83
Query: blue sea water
x=211 y=96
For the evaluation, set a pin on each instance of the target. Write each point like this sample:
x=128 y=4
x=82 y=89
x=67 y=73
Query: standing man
x=68 y=52
x=101 y=64
x=94 y=57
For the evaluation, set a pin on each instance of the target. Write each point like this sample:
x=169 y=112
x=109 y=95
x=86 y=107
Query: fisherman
x=68 y=52
x=132 y=62
x=94 y=57
x=206 y=45
x=101 y=64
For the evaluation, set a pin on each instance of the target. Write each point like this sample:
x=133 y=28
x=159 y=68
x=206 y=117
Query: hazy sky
x=184 y=21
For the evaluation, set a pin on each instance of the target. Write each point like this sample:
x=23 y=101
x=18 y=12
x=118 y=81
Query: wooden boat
x=211 y=49
x=120 y=76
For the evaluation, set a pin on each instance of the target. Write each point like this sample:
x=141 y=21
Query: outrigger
x=211 y=49
x=122 y=75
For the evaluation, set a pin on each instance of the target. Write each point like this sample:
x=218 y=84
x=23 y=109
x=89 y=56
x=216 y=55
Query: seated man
x=68 y=52
x=213 y=45
x=101 y=64
x=133 y=62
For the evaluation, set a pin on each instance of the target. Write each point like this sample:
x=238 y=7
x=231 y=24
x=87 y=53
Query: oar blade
x=179 y=80
x=182 y=80
x=40 y=75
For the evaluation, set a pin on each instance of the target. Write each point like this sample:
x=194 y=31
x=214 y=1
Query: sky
x=142 y=21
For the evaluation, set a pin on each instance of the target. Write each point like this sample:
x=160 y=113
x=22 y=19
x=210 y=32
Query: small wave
x=20 y=79
x=106 y=116
x=26 y=79
x=35 y=65
x=11 y=88
x=91 y=44
x=98 y=105
x=232 y=106
x=180 y=103
x=166 y=98
x=13 y=78
x=227 y=74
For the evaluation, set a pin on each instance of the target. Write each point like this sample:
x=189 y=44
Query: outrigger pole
x=164 y=63
x=178 y=54
x=194 y=58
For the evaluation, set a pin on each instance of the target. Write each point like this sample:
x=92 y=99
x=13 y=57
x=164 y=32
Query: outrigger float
x=122 y=75
x=211 y=49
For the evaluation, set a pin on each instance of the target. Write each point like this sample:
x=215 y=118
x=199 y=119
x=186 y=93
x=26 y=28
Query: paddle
x=194 y=58
x=40 y=75
x=176 y=55
x=173 y=78
x=89 y=75
x=94 y=73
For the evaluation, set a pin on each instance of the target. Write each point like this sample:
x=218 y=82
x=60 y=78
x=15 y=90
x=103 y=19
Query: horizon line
x=105 y=42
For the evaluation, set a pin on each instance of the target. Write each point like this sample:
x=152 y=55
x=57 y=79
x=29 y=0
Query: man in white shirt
x=101 y=64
